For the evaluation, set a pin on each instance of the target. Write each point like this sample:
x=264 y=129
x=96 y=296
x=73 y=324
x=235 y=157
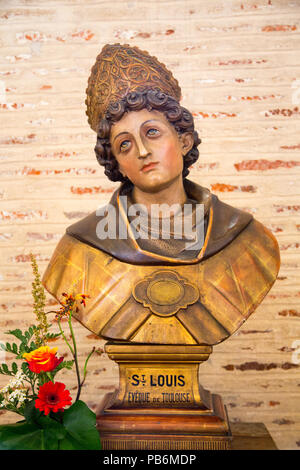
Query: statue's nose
x=143 y=152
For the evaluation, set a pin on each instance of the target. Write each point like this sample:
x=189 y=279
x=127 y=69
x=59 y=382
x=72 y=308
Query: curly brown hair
x=180 y=118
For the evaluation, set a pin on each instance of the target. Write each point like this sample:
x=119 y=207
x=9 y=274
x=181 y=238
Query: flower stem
x=85 y=366
x=75 y=357
x=64 y=337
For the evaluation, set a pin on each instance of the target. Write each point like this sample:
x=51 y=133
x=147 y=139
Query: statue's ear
x=187 y=141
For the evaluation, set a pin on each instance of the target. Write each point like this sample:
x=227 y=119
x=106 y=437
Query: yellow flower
x=42 y=359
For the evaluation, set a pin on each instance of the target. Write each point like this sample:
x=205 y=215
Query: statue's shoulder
x=260 y=242
x=68 y=265
x=238 y=235
x=249 y=267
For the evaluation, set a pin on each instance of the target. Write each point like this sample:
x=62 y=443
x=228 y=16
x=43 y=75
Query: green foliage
x=52 y=336
x=21 y=436
x=5 y=370
x=25 y=345
x=75 y=428
x=64 y=365
x=26 y=371
x=80 y=423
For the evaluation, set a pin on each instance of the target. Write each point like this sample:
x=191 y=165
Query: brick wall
x=238 y=65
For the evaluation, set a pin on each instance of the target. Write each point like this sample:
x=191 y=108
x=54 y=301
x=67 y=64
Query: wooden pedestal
x=160 y=404
x=163 y=431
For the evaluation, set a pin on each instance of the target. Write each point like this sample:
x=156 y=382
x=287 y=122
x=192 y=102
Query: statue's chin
x=156 y=184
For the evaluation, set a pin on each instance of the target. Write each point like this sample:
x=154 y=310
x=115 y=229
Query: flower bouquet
x=50 y=420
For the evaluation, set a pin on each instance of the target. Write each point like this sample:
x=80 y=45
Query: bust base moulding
x=159 y=403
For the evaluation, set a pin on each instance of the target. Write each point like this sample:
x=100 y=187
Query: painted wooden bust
x=154 y=290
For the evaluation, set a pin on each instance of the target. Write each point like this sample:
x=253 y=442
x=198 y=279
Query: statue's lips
x=149 y=167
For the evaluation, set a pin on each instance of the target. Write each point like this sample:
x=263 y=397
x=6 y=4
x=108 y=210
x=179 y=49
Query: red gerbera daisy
x=52 y=397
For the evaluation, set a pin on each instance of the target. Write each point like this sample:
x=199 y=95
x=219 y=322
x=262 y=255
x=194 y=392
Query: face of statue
x=148 y=149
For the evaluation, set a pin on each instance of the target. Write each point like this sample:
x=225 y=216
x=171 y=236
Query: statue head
x=126 y=80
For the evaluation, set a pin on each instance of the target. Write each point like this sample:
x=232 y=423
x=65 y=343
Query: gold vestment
x=139 y=297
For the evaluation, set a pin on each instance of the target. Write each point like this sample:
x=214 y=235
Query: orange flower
x=69 y=303
x=52 y=397
x=42 y=359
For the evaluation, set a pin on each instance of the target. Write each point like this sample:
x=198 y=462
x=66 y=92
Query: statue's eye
x=152 y=132
x=124 y=145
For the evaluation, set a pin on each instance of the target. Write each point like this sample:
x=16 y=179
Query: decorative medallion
x=165 y=292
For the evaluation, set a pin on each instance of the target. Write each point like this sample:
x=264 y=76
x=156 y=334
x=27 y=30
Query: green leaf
x=22 y=350
x=44 y=435
x=27 y=371
x=29 y=333
x=21 y=436
x=5 y=369
x=32 y=346
x=80 y=423
x=14 y=367
x=38 y=432
x=69 y=443
x=31 y=413
x=63 y=365
x=17 y=333
x=12 y=348
x=52 y=336
x=54 y=432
